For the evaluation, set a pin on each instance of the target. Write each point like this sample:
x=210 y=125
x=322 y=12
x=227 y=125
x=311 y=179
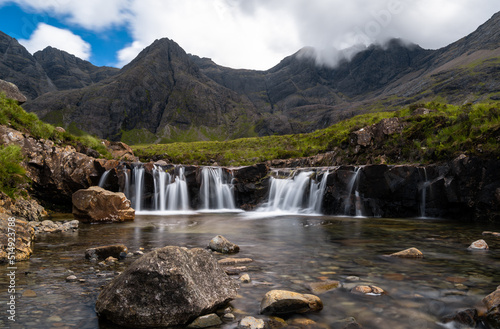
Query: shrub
x=12 y=175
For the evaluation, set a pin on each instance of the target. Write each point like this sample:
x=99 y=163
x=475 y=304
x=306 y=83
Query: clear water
x=289 y=252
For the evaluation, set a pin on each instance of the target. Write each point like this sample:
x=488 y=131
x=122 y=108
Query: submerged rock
x=96 y=204
x=283 y=302
x=324 y=286
x=169 y=286
x=467 y=317
x=223 y=245
x=408 y=253
x=106 y=251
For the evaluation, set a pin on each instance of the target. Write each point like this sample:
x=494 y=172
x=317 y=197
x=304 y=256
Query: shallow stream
x=289 y=252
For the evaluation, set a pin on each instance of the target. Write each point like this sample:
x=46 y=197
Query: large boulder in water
x=96 y=204
x=167 y=287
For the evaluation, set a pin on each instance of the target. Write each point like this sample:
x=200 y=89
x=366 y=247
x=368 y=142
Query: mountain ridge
x=167 y=95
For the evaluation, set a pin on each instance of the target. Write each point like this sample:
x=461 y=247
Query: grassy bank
x=444 y=133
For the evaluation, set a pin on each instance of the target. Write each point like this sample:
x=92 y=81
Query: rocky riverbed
x=330 y=257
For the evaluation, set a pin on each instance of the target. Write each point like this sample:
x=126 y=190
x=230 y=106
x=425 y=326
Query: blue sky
x=253 y=34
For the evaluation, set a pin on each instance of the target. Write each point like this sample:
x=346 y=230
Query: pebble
x=352 y=278
x=249 y=322
x=71 y=278
x=245 y=278
x=368 y=290
x=228 y=317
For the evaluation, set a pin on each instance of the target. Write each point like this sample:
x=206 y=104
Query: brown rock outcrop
x=11 y=91
x=23 y=236
x=96 y=204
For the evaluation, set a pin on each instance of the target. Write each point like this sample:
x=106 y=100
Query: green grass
x=12 y=174
x=444 y=133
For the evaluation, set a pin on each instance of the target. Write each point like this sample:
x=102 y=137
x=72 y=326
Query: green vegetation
x=440 y=135
x=14 y=116
x=12 y=174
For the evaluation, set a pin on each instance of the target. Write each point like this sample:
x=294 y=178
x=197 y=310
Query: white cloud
x=93 y=15
x=259 y=33
x=47 y=35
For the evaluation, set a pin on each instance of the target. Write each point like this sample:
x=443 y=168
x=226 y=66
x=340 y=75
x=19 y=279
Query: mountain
x=160 y=94
x=167 y=95
x=47 y=70
x=67 y=71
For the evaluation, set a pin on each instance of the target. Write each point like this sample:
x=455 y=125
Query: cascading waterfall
x=316 y=194
x=177 y=193
x=423 y=193
x=138 y=188
x=353 y=193
x=161 y=179
x=104 y=177
x=291 y=195
x=216 y=192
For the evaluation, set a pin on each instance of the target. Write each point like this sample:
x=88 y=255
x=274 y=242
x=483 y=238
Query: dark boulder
x=167 y=287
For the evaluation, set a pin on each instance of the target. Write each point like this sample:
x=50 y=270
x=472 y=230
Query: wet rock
x=234 y=261
x=105 y=251
x=495 y=234
x=169 y=286
x=249 y=322
x=352 y=278
x=111 y=260
x=205 y=321
x=492 y=302
x=352 y=325
x=478 y=245
x=467 y=317
x=48 y=226
x=245 y=278
x=228 y=317
x=408 y=253
x=24 y=239
x=235 y=270
x=368 y=290
x=222 y=245
x=96 y=204
x=318 y=288
x=284 y=302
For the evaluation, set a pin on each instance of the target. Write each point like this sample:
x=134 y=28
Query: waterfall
x=176 y=194
x=353 y=193
x=126 y=185
x=138 y=183
x=296 y=194
x=216 y=191
x=102 y=180
x=161 y=179
x=423 y=193
x=317 y=190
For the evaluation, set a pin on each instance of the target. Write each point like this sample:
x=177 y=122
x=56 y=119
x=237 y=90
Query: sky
x=250 y=34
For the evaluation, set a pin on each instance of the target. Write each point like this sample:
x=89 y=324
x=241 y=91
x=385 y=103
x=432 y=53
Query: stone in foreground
x=408 y=253
x=96 y=204
x=223 y=245
x=249 y=322
x=284 y=302
x=492 y=302
x=368 y=290
x=169 y=286
x=206 y=321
